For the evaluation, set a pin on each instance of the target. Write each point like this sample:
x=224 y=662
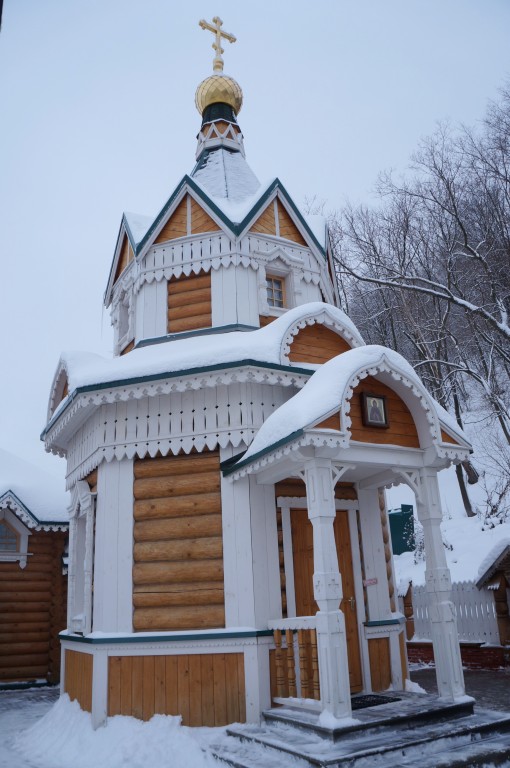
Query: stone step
x=396 y=745
x=482 y=754
x=413 y=710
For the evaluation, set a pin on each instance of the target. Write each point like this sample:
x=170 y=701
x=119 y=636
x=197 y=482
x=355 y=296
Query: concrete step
x=482 y=734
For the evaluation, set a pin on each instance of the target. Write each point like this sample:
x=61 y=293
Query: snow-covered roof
x=264 y=345
x=227 y=178
x=472 y=547
x=137 y=225
x=325 y=392
x=38 y=494
x=498 y=557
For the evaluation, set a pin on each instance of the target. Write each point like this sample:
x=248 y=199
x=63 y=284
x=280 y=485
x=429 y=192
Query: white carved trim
x=11 y=502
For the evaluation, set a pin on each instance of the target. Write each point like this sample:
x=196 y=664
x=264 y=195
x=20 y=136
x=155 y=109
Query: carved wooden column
x=445 y=640
x=327 y=584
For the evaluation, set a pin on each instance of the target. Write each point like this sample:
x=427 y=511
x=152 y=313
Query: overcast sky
x=98 y=117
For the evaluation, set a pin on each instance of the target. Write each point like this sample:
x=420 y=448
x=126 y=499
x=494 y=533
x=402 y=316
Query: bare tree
x=427 y=270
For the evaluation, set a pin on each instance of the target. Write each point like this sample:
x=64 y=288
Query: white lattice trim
x=316 y=438
x=185 y=383
x=346 y=330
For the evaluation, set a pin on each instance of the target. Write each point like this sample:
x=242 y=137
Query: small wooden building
x=33 y=585
x=229 y=542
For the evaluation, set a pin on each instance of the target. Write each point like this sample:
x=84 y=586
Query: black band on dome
x=219 y=111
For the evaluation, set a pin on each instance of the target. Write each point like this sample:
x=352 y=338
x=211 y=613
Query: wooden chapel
x=229 y=544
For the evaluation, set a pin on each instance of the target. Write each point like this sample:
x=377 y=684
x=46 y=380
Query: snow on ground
x=64 y=737
x=467 y=541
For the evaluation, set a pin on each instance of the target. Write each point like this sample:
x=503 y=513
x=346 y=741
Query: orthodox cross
x=218 y=33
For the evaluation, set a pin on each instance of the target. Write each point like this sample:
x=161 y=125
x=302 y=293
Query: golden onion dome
x=219 y=89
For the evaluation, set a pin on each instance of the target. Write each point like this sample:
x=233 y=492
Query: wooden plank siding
x=266 y=224
x=446 y=438
x=78 y=678
x=200 y=220
x=401 y=430
x=177 y=224
x=205 y=689
x=316 y=344
x=33 y=610
x=189 y=303
x=126 y=257
x=178 y=544
x=288 y=229
x=380 y=665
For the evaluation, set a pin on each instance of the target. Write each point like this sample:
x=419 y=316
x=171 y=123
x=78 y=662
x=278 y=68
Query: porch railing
x=295 y=663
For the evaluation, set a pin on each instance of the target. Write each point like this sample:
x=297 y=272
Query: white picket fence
x=475 y=609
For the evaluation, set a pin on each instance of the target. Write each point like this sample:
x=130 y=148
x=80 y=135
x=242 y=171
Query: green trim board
x=384 y=622
x=247 y=363
x=228 y=468
x=166 y=638
x=200 y=332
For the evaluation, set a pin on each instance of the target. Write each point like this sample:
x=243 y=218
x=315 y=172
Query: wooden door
x=302 y=547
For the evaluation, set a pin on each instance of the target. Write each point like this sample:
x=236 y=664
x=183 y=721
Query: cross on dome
x=218 y=33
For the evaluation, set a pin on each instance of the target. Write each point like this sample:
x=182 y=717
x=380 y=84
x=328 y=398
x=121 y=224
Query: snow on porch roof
x=43 y=496
x=323 y=393
x=263 y=345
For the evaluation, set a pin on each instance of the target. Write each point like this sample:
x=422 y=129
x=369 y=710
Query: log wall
x=178 y=544
x=189 y=303
x=33 y=604
x=205 y=689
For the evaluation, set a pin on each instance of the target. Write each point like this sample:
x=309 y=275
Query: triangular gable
x=189 y=218
x=275 y=220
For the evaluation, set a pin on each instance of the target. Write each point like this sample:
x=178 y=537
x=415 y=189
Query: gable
x=446 y=438
x=316 y=344
x=401 y=430
x=200 y=220
x=275 y=220
x=177 y=224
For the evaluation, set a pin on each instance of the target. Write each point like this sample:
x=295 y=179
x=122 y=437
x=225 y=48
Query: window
x=8 y=538
x=275 y=291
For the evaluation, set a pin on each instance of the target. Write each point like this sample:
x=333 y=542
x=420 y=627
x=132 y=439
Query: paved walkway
x=490 y=688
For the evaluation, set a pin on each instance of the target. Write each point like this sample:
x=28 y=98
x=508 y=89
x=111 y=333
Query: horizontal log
x=178 y=528
x=21 y=619
x=183 y=570
x=190 y=323
x=176 y=465
x=189 y=283
x=192 y=309
x=178 y=587
x=22 y=637
x=10 y=587
x=32 y=660
x=197 y=294
x=158 y=487
x=179 y=549
x=23 y=674
x=182 y=617
x=30 y=608
x=27 y=596
x=10 y=624
x=212 y=596
x=24 y=648
x=178 y=506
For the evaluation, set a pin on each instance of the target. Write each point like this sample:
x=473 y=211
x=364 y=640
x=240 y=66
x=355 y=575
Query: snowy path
x=18 y=711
